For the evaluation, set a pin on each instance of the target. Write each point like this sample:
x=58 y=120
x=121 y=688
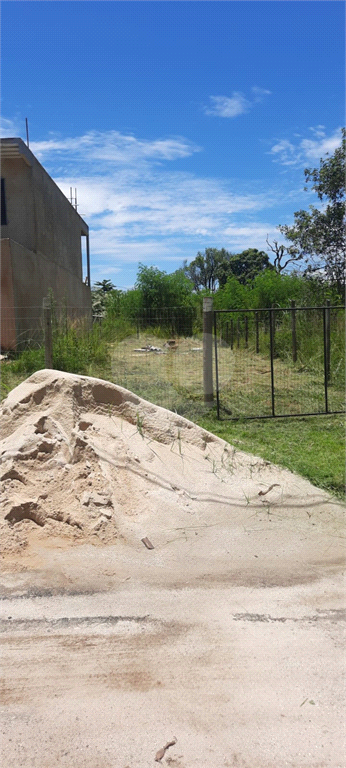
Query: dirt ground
x=226 y=637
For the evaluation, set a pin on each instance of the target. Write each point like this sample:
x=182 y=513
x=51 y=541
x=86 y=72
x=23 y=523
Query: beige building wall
x=36 y=277
x=41 y=241
x=8 y=321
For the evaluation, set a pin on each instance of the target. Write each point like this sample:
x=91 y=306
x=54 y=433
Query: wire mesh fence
x=270 y=362
x=154 y=354
x=24 y=327
x=280 y=362
x=162 y=361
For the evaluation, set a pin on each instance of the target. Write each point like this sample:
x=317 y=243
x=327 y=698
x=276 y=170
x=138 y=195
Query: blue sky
x=183 y=125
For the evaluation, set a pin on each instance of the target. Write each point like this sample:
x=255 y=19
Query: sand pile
x=79 y=456
x=88 y=461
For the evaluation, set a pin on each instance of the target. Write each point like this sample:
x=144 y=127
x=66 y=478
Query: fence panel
x=336 y=381
x=280 y=362
x=244 y=375
x=163 y=367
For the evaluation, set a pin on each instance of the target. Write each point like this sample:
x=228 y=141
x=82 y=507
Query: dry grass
x=174 y=378
x=167 y=378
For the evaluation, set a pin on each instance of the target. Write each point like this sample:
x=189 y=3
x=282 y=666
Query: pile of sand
x=80 y=454
x=89 y=461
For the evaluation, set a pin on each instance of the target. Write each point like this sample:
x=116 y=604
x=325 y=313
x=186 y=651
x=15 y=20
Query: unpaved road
x=242 y=674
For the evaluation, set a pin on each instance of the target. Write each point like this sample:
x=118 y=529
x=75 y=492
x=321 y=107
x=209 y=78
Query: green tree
x=100 y=290
x=284 y=255
x=214 y=267
x=152 y=285
x=246 y=265
x=159 y=290
x=233 y=295
x=179 y=290
x=319 y=234
x=166 y=300
x=104 y=285
x=203 y=270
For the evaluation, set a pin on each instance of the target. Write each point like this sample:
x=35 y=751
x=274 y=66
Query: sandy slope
x=214 y=636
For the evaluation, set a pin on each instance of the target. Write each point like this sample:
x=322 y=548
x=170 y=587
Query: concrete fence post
x=47 y=325
x=208 y=351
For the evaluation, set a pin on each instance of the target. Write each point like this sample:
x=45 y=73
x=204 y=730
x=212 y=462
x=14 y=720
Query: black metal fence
x=279 y=362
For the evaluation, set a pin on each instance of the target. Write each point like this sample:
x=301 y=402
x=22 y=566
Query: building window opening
x=85 y=259
x=3 y=204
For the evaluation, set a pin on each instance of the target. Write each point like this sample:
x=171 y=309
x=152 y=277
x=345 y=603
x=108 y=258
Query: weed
x=312 y=446
x=139 y=424
x=179 y=441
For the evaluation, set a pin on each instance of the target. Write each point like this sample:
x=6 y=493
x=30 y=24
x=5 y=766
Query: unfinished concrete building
x=41 y=246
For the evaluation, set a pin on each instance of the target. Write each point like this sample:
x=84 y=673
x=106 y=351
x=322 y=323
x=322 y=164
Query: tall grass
x=309 y=339
x=77 y=348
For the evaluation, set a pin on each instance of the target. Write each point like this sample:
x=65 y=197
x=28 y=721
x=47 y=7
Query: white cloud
x=260 y=93
x=130 y=203
x=314 y=150
x=285 y=151
x=138 y=212
x=225 y=106
x=306 y=150
x=249 y=236
x=157 y=205
x=114 y=147
x=318 y=130
x=237 y=104
x=8 y=128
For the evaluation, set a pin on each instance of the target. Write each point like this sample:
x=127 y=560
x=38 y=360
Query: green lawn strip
x=311 y=446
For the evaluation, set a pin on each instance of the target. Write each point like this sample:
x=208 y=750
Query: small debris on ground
x=263 y=493
x=161 y=753
x=149 y=348
x=147 y=543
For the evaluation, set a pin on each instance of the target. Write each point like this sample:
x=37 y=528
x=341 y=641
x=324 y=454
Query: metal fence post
x=325 y=350
x=294 y=333
x=273 y=330
x=272 y=336
x=216 y=370
x=257 y=333
x=48 y=341
x=208 y=351
x=246 y=332
x=328 y=340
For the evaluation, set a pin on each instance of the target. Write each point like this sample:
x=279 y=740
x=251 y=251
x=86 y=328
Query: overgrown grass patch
x=76 y=349
x=312 y=446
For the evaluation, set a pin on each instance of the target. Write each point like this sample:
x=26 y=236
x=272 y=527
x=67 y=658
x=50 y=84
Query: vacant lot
x=173 y=378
